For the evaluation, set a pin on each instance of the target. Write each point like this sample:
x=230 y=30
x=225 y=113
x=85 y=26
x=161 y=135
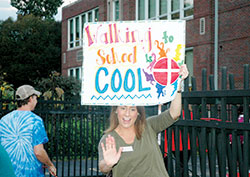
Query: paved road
x=72 y=168
x=90 y=168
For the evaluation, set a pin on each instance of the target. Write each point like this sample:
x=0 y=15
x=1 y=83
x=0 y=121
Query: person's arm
x=110 y=155
x=176 y=104
x=103 y=167
x=43 y=157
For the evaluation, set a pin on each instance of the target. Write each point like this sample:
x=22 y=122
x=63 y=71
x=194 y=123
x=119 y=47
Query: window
x=83 y=21
x=202 y=26
x=188 y=8
x=141 y=9
x=189 y=60
x=75 y=72
x=96 y=15
x=164 y=9
x=90 y=17
x=77 y=31
x=175 y=9
x=152 y=9
x=109 y=10
x=71 y=33
x=116 y=10
x=76 y=27
x=113 y=9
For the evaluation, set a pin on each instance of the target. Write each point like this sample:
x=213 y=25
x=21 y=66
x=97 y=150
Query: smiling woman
x=129 y=146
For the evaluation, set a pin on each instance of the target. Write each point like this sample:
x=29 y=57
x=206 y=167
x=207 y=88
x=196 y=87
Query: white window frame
x=74 y=42
x=74 y=72
x=181 y=11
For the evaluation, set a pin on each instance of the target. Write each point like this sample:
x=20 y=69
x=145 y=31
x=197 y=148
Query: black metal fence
x=208 y=140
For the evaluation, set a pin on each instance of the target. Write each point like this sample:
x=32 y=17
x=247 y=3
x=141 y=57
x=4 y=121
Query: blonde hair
x=140 y=122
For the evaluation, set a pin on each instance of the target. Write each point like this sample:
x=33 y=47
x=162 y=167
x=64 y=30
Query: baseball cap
x=25 y=91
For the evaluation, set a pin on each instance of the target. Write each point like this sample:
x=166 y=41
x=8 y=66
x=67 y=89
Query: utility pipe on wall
x=216 y=26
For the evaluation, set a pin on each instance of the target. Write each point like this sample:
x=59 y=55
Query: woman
x=129 y=147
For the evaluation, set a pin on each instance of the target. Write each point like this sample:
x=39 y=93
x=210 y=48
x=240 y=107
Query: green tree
x=59 y=87
x=41 y=8
x=30 y=48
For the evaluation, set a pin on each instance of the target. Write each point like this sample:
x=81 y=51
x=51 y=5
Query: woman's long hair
x=140 y=122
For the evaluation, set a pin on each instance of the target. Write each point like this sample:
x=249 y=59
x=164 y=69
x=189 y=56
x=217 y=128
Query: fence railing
x=218 y=143
x=208 y=140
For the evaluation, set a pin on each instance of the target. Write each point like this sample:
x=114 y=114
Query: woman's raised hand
x=110 y=154
x=183 y=71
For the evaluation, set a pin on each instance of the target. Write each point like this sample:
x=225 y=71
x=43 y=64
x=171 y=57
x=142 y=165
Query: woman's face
x=127 y=116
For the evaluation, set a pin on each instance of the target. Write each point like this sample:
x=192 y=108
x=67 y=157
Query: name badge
x=127 y=149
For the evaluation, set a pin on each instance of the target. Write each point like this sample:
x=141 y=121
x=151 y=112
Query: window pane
x=77 y=31
x=188 y=12
x=109 y=11
x=175 y=5
x=141 y=10
x=71 y=31
x=175 y=16
x=77 y=73
x=97 y=15
x=117 y=10
x=188 y=3
x=151 y=8
x=71 y=73
x=189 y=61
x=163 y=7
x=90 y=17
x=83 y=21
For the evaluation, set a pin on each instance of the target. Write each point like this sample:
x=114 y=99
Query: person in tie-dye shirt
x=22 y=134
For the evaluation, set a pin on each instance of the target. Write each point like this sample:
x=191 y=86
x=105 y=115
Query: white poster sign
x=132 y=63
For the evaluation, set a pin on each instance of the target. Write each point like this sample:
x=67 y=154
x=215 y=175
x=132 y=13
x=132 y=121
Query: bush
x=58 y=87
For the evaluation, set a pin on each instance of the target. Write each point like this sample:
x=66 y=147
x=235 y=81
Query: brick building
x=232 y=33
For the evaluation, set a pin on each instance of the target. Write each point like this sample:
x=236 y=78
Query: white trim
x=136 y=10
x=146 y=9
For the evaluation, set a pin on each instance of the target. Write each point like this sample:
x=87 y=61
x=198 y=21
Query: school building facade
x=217 y=32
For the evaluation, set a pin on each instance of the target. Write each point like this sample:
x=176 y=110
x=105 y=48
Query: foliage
x=30 y=48
x=41 y=8
x=7 y=94
x=57 y=86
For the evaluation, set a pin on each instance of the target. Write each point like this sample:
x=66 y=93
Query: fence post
x=232 y=150
x=246 y=76
x=246 y=119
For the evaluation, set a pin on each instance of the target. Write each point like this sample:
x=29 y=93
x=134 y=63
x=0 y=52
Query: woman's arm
x=110 y=155
x=176 y=104
x=103 y=167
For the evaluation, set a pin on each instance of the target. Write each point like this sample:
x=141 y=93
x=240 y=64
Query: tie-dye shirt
x=20 y=131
